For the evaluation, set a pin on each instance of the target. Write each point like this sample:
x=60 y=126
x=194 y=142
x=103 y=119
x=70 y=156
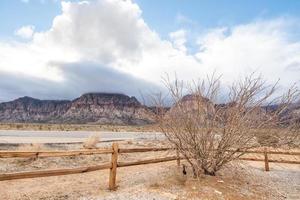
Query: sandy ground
x=239 y=180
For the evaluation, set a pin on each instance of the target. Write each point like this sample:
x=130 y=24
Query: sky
x=52 y=49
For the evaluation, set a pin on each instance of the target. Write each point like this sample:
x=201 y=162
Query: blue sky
x=61 y=49
x=163 y=16
x=16 y=13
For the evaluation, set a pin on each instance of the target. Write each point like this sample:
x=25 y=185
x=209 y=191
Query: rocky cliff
x=100 y=108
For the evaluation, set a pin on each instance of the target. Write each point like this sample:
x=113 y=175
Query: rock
x=99 y=108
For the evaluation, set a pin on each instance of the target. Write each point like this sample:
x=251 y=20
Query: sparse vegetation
x=92 y=141
x=35 y=147
x=76 y=127
x=210 y=135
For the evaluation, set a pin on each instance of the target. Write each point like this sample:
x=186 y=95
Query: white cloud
x=267 y=47
x=112 y=35
x=25 y=32
x=179 y=39
x=25 y=1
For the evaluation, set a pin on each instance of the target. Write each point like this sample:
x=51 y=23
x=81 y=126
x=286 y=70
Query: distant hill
x=104 y=108
x=293 y=112
x=98 y=108
x=190 y=103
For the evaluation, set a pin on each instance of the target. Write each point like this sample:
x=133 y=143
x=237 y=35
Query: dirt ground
x=239 y=180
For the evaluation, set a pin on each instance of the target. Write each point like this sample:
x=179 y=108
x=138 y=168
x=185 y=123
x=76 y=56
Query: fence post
x=266 y=160
x=178 y=157
x=113 y=169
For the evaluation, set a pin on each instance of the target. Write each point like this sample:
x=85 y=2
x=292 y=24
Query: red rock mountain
x=99 y=108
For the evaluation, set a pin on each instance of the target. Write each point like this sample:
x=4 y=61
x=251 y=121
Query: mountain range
x=95 y=108
x=98 y=108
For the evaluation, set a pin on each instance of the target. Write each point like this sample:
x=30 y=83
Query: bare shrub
x=209 y=134
x=91 y=141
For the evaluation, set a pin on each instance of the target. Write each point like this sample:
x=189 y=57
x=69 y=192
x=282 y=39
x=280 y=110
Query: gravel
x=161 y=181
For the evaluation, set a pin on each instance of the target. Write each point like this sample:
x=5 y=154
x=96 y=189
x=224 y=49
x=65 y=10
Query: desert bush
x=266 y=139
x=209 y=134
x=91 y=141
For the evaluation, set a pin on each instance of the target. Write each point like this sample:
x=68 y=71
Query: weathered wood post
x=178 y=157
x=114 y=165
x=266 y=159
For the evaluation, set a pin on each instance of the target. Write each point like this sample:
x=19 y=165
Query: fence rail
x=52 y=172
x=272 y=161
x=114 y=164
x=137 y=150
x=44 y=154
x=148 y=161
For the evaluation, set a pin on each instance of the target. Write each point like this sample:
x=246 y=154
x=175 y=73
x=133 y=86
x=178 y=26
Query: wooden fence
x=113 y=164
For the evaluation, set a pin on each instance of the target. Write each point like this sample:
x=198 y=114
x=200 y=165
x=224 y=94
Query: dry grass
x=75 y=127
x=92 y=141
x=28 y=147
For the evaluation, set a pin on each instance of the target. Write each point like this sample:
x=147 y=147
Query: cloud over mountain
x=105 y=45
